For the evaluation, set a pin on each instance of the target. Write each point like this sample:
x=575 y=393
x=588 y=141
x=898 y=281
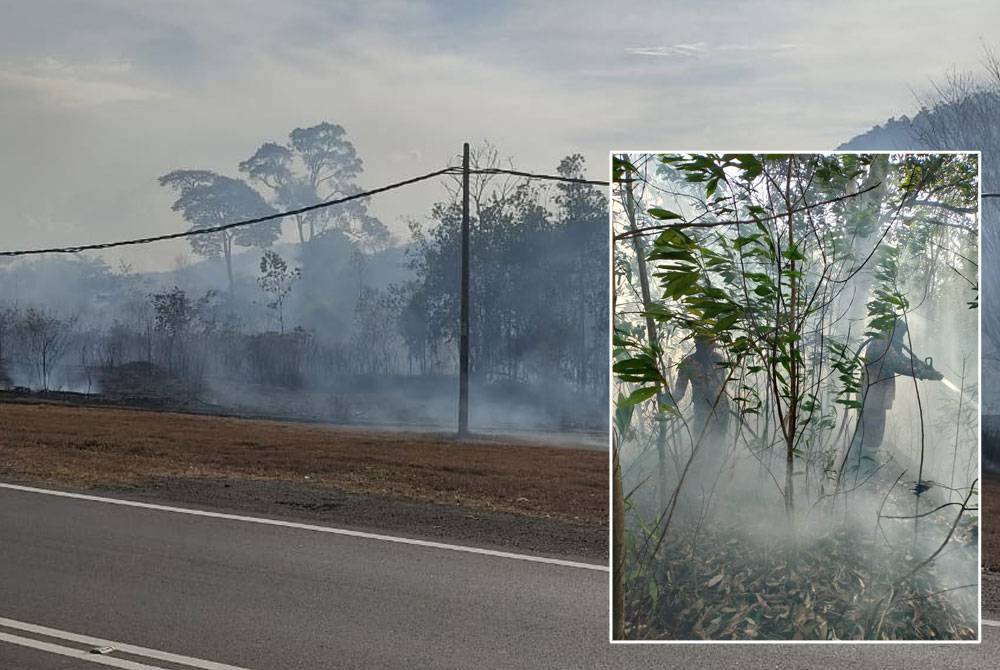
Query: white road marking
x=990 y=622
x=79 y=654
x=103 y=658
x=311 y=527
x=118 y=646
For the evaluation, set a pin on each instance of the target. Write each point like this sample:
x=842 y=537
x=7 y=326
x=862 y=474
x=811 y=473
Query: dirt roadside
x=989 y=520
x=501 y=493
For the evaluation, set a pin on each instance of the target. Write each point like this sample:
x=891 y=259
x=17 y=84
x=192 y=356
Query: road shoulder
x=366 y=513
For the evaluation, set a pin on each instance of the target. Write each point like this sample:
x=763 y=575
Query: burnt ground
x=512 y=495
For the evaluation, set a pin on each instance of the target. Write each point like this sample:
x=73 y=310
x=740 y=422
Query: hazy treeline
x=342 y=306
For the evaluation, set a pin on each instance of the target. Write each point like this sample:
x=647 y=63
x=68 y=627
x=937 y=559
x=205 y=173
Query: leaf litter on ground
x=722 y=585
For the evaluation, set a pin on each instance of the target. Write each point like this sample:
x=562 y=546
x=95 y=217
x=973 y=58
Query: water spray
x=950 y=386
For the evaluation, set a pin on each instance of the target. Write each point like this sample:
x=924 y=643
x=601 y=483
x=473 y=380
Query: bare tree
x=8 y=319
x=45 y=338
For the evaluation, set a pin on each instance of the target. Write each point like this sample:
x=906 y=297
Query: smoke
x=370 y=331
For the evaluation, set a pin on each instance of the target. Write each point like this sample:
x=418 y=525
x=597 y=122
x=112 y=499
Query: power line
x=292 y=212
x=533 y=175
x=649 y=230
x=310 y=208
x=226 y=226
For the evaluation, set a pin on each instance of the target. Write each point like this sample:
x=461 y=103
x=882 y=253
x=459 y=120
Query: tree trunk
x=618 y=552
x=793 y=366
x=640 y=254
x=227 y=251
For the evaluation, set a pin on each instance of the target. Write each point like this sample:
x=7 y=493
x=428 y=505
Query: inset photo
x=795 y=397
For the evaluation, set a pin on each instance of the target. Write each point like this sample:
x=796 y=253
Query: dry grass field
x=88 y=447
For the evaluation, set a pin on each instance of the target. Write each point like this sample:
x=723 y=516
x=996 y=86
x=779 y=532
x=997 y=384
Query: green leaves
x=848 y=367
x=751 y=165
x=710 y=187
x=639 y=395
x=680 y=277
x=792 y=253
x=708 y=169
x=620 y=168
x=887 y=303
x=641 y=369
x=663 y=215
x=623 y=416
x=744 y=240
x=658 y=312
x=679 y=283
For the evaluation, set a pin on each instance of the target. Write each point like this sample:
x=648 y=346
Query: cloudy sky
x=99 y=97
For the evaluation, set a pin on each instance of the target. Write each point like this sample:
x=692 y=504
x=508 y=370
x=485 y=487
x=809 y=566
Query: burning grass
x=84 y=447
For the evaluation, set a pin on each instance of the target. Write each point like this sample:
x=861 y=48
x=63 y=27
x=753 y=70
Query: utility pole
x=463 y=355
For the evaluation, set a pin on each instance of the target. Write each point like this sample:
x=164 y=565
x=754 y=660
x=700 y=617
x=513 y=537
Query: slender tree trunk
x=793 y=401
x=299 y=224
x=227 y=251
x=651 y=335
x=618 y=551
x=617 y=521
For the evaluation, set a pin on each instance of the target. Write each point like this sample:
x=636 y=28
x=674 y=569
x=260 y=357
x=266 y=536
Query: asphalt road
x=221 y=591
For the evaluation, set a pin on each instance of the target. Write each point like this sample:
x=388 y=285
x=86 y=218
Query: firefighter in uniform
x=704 y=370
x=885 y=357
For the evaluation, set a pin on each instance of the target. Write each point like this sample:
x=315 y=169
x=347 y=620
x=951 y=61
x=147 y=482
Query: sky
x=100 y=97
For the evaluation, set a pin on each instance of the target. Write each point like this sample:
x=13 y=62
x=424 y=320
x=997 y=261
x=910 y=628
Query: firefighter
x=886 y=356
x=704 y=369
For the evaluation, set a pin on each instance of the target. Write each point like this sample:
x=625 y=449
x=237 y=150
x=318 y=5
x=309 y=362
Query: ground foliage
x=724 y=585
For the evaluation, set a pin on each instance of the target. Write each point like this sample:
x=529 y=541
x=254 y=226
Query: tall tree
x=318 y=163
x=207 y=199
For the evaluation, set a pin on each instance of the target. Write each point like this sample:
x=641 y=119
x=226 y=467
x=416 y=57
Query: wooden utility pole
x=463 y=355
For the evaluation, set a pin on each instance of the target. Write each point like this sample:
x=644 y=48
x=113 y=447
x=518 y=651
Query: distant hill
x=969 y=124
x=894 y=135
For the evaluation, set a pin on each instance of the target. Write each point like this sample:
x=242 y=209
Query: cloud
x=77 y=84
x=102 y=96
x=698 y=49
